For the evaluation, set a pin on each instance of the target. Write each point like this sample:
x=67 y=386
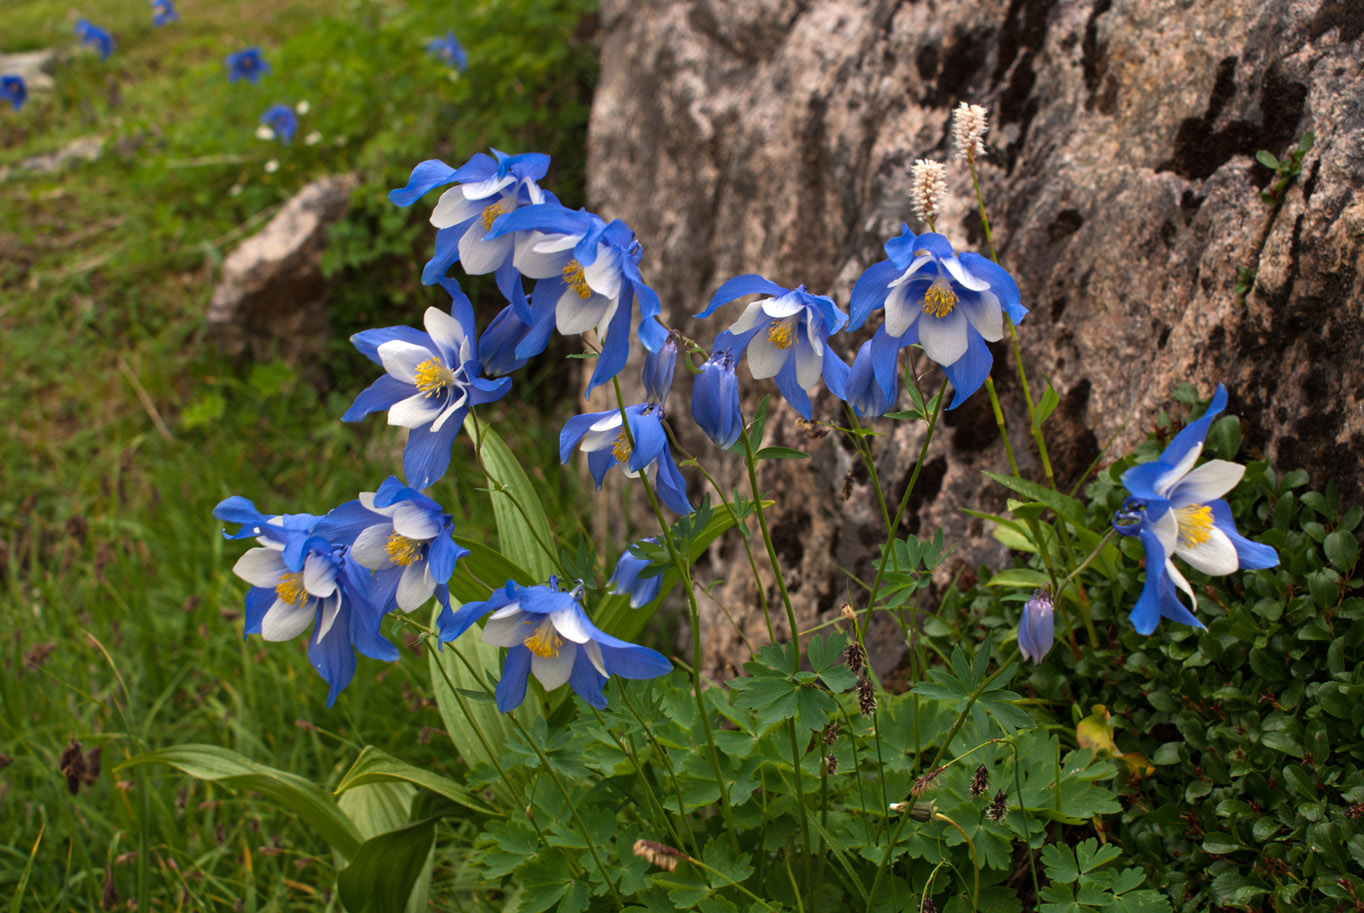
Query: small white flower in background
x=929 y=186
x=235 y=190
x=264 y=132
x=969 y=123
x=272 y=166
x=303 y=107
x=312 y=139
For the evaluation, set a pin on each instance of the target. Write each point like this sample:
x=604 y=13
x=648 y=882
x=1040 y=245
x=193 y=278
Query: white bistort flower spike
x=929 y=187
x=969 y=123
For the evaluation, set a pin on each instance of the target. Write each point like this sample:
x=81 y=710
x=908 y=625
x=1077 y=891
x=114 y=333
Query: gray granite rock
x=776 y=137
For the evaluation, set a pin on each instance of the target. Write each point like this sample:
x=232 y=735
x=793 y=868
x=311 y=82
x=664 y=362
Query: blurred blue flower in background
x=546 y=632
x=627 y=579
x=13 y=90
x=281 y=122
x=601 y=435
x=432 y=379
x=92 y=36
x=449 y=50
x=951 y=305
x=246 y=64
x=785 y=336
x=1175 y=509
x=163 y=13
x=715 y=394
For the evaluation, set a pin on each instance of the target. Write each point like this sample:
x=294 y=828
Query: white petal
x=569 y=623
x=944 y=338
x=604 y=275
x=260 y=567
x=508 y=630
x=1178 y=579
x=330 y=609
x=415 y=411
x=1167 y=531
x=486 y=188
x=809 y=364
x=454 y=405
x=319 y=575
x=765 y=359
x=985 y=314
x=1215 y=556
x=593 y=650
x=478 y=256
x=900 y=315
x=415 y=586
x=919 y=263
x=574 y=315
x=371 y=547
x=785 y=306
x=1170 y=480
x=454 y=207
x=749 y=318
x=1208 y=482
x=962 y=277
x=446 y=332
x=537 y=258
x=285 y=621
x=401 y=358
x=414 y=523
x=553 y=671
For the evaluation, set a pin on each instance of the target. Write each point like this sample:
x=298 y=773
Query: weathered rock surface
x=776 y=137
x=271 y=299
x=81 y=149
x=34 y=66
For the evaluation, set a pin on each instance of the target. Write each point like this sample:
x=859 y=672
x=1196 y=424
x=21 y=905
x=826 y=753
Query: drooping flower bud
x=658 y=371
x=1035 y=629
x=715 y=395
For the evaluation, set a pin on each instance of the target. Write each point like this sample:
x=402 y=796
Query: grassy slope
x=112 y=574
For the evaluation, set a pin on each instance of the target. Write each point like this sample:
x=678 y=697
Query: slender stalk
x=656 y=809
x=999 y=422
x=667 y=763
x=1027 y=828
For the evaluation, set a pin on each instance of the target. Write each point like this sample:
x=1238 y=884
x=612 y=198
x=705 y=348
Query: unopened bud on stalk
x=929 y=186
x=848 y=613
x=659 y=854
x=969 y=123
x=919 y=811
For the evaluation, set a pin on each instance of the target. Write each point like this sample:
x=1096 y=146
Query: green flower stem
x=1027 y=825
x=1083 y=603
x=730 y=881
x=999 y=422
x=656 y=810
x=951 y=734
x=684 y=575
x=975 y=860
x=667 y=763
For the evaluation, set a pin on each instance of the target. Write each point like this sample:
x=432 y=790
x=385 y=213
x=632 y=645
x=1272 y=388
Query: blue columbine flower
x=546 y=632
x=92 y=36
x=497 y=345
x=627 y=579
x=282 y=121
x=1035 y=628
x=397 y=529
x=298 y=578
x=486 y=187
x=715 y=395
x=432 y=379
x=1175 y=509
x=863 y=391
x=658 y=371
x=601 y=435
x=449 y=50
x=786 y=336
x=588 y=272
x=951 y=305
x=13 y=90
x=246 y=64
x=163 y=13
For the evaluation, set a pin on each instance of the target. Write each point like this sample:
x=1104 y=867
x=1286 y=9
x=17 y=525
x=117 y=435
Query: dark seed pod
x=866 y=698
x=855 y=657
x=831 y=763
x=999 y=808
x=980 y=781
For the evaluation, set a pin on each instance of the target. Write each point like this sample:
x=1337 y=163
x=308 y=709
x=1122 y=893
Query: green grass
x=124 y=429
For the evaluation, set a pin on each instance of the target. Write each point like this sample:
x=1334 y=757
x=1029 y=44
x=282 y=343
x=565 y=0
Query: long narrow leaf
x=522 y=527
x=377 y=766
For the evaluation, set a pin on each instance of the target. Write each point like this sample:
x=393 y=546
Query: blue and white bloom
x=163 y=13
x=715 y=395
x=1036 y=631
x=96 y=38
x=547 y=633
x=601 y=435
x=449 y=50
x=786 y=337
x=13 y=90
x=497 y=345
x=1176 y=509
x=627 y=579
x=486 y=187
x=298 y=579
x=588 y=272
x=279 y=121
x=951 y=305
x=431 y=382
x=246 y=64
x=863 y=392
x=399 y=529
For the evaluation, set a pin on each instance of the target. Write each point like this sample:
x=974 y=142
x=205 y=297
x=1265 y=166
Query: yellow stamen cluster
x=1195 y=524
x=491 y=213
x=433 y=376
x=403 y=550
x=576 y=278
x=621 y=448
x=782 y=333
x=939 y=300
x=290 y=589
x=544 y=641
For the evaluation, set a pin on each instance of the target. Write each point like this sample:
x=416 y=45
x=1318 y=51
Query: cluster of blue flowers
x=394 y=549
